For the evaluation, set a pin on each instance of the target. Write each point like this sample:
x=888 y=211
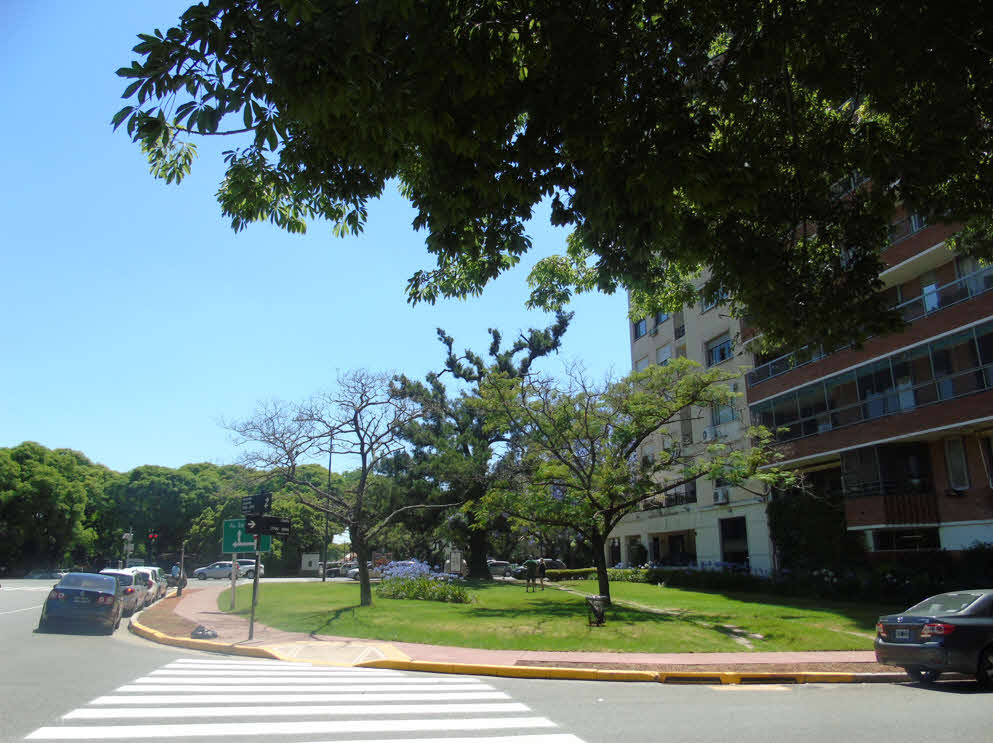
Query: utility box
x=310 y=563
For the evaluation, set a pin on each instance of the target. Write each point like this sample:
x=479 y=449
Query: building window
x=661 y=317
x=720 y=414
x=640 y=328
x=642 y=363
x=888 y=540
x=663 y=354
x=958 y=467
x=712 y=300
x=719 y=350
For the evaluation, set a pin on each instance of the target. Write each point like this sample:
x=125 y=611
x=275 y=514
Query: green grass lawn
x=505 y=617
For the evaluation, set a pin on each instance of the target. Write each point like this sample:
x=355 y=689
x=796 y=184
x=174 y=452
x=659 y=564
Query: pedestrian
x=531 y=572
x=541 y=572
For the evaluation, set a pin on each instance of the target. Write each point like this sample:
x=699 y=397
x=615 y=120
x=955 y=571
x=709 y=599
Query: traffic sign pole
x=234 y=576
x=255 y=590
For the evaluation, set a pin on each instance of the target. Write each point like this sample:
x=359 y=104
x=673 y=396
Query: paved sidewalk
x=198 y=606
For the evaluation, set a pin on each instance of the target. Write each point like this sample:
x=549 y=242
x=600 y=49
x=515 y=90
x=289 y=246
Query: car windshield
x=89 y=581
x=946 y=603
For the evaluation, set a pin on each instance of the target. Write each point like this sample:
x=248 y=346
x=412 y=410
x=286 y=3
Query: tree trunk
x=478 y=546
x=362 y=554
x=600 y=562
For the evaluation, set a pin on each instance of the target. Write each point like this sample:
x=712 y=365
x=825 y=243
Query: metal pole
x=324 y=558
x=182 y=568
x=234 y=575
x=255 y=589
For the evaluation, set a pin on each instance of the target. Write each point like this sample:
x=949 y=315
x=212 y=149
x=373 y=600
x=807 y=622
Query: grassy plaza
x=644 y=618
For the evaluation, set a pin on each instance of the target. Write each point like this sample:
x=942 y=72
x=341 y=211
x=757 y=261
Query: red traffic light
x=153 y=535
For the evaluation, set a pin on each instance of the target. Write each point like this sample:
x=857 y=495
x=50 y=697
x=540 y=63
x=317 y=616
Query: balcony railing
x=911 y=501
x=931 y=300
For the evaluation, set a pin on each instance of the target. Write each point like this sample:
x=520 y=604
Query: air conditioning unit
x=706 y=434
x=688 y=439
x=734 y=386
x=720 y=496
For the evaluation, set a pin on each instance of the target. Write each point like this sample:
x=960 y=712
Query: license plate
x=902 y=634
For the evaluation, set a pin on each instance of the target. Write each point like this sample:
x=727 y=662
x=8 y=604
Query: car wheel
x=923 y=676
x=984 y=671
x=506 y=573
x=201 y=576
x=250 y=574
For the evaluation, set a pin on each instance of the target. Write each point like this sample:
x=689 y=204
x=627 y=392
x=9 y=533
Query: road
x=89 y=687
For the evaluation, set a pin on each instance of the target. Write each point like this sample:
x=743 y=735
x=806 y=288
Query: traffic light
x=152 y=536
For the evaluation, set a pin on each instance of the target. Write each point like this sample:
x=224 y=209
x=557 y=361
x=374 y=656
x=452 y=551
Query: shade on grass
x=505 y=617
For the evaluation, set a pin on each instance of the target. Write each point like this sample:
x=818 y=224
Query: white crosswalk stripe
x=227 y=699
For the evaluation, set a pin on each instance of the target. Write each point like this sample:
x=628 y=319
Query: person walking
x=531 y=573
x=541 y=572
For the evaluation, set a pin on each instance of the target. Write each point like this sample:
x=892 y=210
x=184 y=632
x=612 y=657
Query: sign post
x=234 y=540
x=263 y=527
x=255 y=591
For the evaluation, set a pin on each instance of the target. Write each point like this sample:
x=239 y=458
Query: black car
x=520 y=572
x=84 y=598
x=950 y=632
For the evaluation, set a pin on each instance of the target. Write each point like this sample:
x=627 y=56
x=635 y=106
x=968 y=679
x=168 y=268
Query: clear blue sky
x=135 y=320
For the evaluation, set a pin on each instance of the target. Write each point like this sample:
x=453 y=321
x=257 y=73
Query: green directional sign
x=236 y=539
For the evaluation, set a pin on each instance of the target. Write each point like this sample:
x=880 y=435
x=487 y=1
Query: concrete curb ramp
x=394 y=659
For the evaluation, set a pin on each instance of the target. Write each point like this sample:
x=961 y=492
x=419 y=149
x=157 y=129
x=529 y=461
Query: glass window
x=843 y=398
x=875 y=382
x=661 y=317
x=642 y=363
x=721 y=414
x=913 y=379
x=984 y=336
x=640 y=328
x=929 y=290
x=955 y=365
x=719 y=350
x=663 y=354
x=762 y=415
x=958 y=468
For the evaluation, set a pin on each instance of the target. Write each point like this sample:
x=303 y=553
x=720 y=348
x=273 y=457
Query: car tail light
x=881 y=629
x=939 y=629
x=129 y=590
x=106 y=600
x=57 y=595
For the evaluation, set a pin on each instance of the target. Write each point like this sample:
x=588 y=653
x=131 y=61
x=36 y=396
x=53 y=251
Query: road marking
x=274 y=673
x=239 y=663
x=546 y=738
x=28 y=608
x=339 y=727
x=751 y=687
x=250 y=682
x=110 y=713
x=391 y=686
x=421 y=696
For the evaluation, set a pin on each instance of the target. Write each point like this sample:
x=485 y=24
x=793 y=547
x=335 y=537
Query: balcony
x=902 y=502
x=931 y=300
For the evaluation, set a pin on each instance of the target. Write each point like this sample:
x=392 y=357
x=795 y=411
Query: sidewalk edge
x=148 y=633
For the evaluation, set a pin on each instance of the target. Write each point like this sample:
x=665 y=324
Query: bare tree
x=363 y=418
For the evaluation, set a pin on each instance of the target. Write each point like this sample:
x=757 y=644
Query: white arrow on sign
x=240 y=541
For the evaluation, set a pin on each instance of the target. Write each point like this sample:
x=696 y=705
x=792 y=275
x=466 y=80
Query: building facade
x=902 y=426
x=707 y=522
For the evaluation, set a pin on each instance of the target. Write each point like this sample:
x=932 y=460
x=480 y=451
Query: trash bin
x=596 y=607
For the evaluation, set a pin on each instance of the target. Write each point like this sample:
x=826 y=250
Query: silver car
x=219 y=569
x=247 y=568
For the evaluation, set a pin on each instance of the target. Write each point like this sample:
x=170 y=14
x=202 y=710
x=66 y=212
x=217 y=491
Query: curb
x=663 y=677
x=148 y=633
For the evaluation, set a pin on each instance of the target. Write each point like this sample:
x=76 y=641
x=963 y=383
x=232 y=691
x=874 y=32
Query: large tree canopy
x=669 y=136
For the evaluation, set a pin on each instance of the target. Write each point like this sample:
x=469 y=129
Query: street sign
x=237 y=539
x=267 y=525
x=256 y=504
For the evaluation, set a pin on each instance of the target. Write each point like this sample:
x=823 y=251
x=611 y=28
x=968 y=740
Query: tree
x=364 y=419
x=454 y=447
x=578 y=462
x=667 y=136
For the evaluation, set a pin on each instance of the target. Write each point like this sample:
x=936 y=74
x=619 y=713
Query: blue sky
x=135 y=320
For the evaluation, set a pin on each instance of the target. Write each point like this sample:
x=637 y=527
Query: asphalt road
x=75 y=686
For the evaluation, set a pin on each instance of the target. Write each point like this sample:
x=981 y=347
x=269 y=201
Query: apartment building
x=706 y=521
x=901 y=427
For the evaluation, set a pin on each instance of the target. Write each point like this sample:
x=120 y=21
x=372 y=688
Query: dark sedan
x=84 y=598
x=951 y=632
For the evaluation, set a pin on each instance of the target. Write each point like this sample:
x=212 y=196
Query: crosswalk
x=228 y=699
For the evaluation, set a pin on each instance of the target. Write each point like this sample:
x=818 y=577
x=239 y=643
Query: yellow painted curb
x=207 y=645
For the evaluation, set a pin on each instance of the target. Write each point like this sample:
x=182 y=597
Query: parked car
x=246 y=568
x=950 y=632
x=220 y=569
x=333 y=569
x=498 y=568
x=159 y=579
x=142 y=576
x=374 y=572
x=132 y=596
x=520 y=572
x=84 y=598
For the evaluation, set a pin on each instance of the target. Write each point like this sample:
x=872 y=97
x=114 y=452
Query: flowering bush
x=412 y=579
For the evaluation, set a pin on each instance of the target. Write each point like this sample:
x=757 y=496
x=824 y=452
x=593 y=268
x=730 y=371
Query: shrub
x=416 y=580
x=574 y=574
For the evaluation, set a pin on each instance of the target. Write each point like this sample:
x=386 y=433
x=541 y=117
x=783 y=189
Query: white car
x=373 y=573
x=219 y=569
x=246 y=568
